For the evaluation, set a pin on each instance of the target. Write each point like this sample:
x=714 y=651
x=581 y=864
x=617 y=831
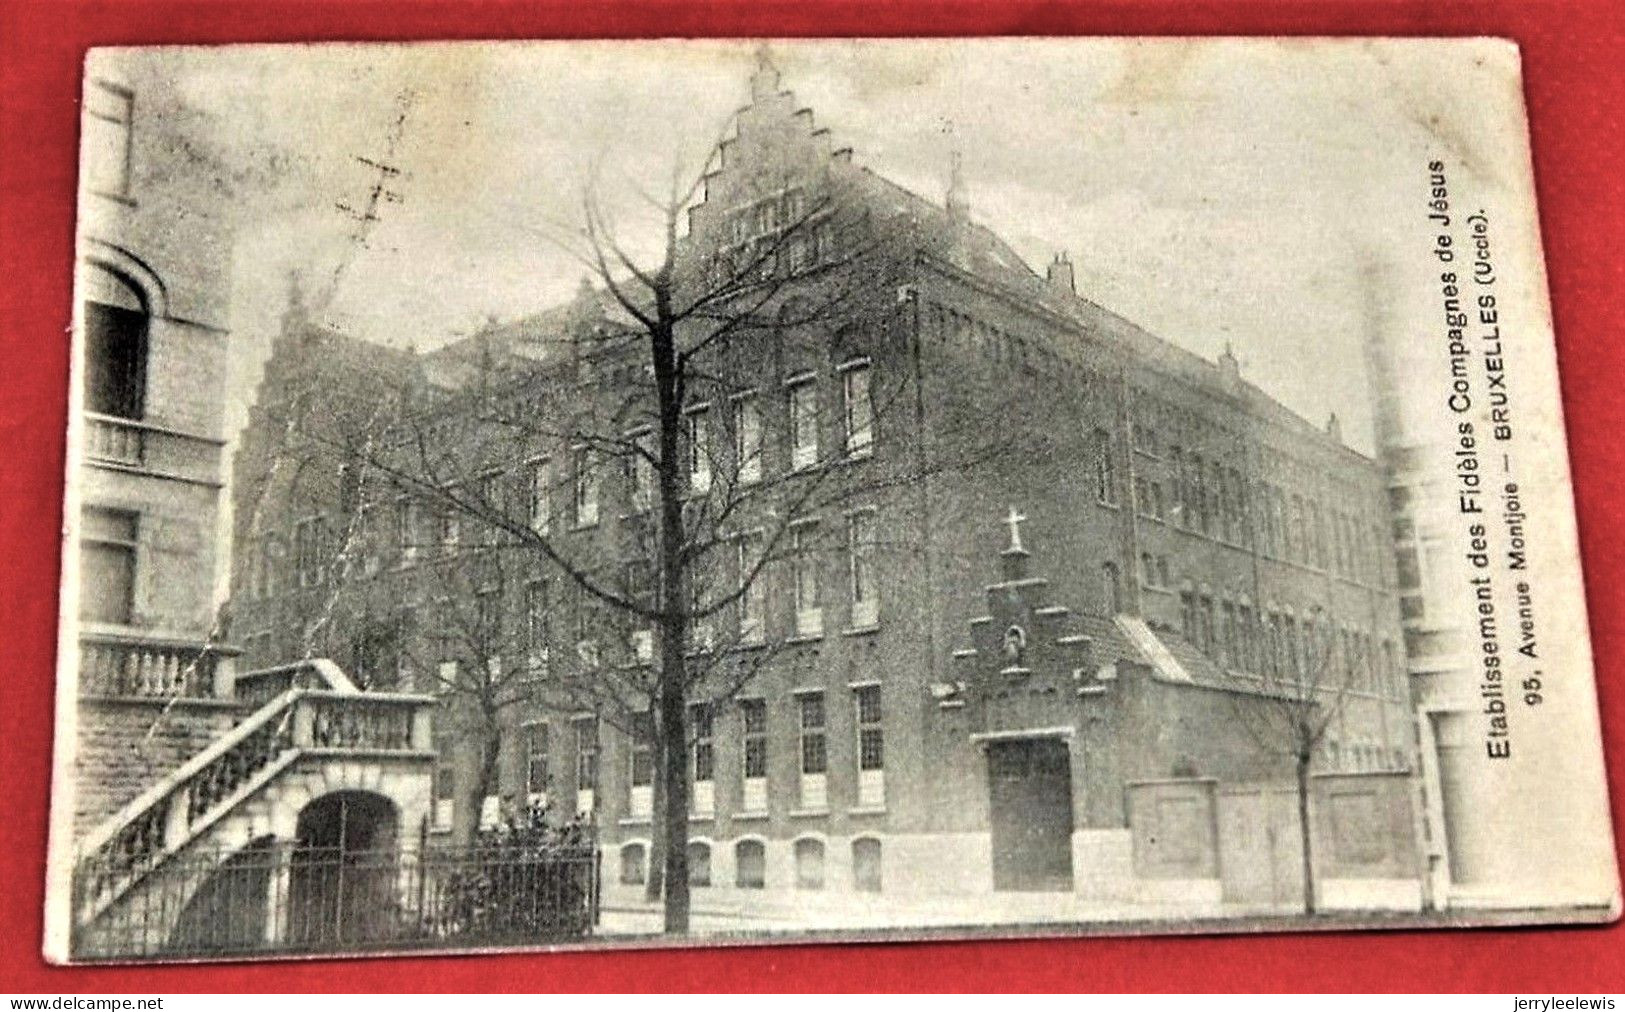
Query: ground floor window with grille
x=809 y=863
x=750 y=864
x=702 y=771
x=699 y=863
x=814 y=751
x=753 y=720
x=641 y=802
x=866 y=864
x=586 y=732
x=632 y=864
x=107 y=566
x=871 y=747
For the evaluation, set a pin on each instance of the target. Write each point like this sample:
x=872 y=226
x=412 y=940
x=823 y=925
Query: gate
x=1260 y=853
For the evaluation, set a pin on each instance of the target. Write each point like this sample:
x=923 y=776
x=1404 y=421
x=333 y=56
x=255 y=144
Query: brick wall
x=126 y=746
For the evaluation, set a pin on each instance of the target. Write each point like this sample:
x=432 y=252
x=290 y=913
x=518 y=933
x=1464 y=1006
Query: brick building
x=968 y=667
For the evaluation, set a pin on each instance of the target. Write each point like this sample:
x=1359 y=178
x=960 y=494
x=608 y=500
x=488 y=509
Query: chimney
x=954 y=200
x=1334 y=427
x=1229 y=368
x=1060 y=275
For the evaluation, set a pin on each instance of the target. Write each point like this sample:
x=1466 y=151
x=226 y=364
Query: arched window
x=116 y=318
x=1111 y=588
x=866 y=864
x=809 y=863
x=699 y=863
x=632 y=860
x=750 y=864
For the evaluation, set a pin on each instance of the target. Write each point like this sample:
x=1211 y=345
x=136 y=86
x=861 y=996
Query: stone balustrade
x=135 y=665
x=309 y=716
x=145 y=446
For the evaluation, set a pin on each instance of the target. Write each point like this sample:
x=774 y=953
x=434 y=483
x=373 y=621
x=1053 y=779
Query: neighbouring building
x=1068 y=568
x=153 y=291
x=1462 y=853
x=191 y=780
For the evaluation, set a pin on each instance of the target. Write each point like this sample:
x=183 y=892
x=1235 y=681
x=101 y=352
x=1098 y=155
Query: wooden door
x=1030 y=808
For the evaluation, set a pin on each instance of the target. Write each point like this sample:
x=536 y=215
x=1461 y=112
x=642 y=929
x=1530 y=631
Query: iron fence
x=276 y=898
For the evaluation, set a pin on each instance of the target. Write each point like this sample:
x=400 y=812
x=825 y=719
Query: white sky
x=1215 y=192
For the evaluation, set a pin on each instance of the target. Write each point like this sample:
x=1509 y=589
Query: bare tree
x=1306 y=683
x=476 y=661
x=1303 y=667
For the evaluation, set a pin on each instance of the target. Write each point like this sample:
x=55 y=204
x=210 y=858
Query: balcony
x=136 y=445
x=134 y=665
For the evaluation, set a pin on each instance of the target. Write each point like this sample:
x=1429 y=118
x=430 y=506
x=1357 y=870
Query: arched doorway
x=341 y=879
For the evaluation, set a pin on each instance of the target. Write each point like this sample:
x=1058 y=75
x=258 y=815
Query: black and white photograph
x=533 y=495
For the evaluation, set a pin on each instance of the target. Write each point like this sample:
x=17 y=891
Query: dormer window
x=752 y=234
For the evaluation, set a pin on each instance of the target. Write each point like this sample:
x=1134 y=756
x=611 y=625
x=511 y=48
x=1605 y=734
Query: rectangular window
x=586 y=489
x=1227 y=641
x=309 y=550
x=860 y=540
x=539 y=505
x=364 y=527
x=640 y=472
x=804 y=579
x=406 y=530
x=586 y=733
x=702 y=760
x=405 y=629
x=858 y=409
x=488 y=494
x=803 y=423
x=107 y=553
x=642 y=773
x=697 y=440
x=748 y=439
x=753 y=719
x=814 y=750
x=753 y=598
x=537 y=638
x=871 y=747
x=451 y=528
x=536 y=771
x=109 y=118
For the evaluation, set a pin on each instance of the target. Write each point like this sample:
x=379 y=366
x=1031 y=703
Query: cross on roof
x=1015 y=520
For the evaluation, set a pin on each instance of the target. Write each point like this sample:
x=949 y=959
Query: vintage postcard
x=540 y=494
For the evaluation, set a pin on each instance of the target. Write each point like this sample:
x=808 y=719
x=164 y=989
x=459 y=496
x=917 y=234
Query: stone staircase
x=311 y=734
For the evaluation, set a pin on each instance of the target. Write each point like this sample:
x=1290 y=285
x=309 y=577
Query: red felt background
x=1572 y=65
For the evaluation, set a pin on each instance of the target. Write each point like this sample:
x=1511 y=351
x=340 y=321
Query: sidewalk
x=624 y=912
